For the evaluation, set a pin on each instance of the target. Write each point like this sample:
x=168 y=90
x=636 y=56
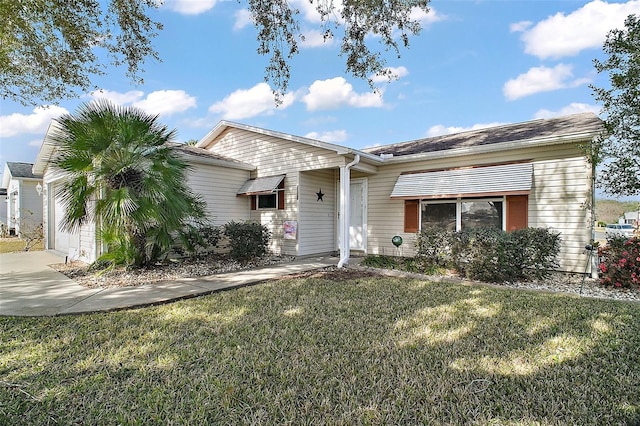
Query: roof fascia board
x=46 y=150
x=503 y=146
x=338 y=149
x=27 y=179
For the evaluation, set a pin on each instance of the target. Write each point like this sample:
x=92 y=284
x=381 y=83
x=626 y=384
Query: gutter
x=345 y=187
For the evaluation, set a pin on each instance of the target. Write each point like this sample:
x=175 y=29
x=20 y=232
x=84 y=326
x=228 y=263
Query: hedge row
x=247 y=240
x=491 y=255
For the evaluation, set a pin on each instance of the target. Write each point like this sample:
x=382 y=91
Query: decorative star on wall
x=320 y=195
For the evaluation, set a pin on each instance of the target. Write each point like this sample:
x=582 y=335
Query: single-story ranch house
x=23 y=197
x=309 y=193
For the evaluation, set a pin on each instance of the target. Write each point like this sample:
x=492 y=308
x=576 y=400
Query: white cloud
x=190 y=7
x=566 y=35
x=315 y=38
x=396 y=74
x=426 y=18
x=250 y=102
x=166 y=102
x=331 y=136
x=572 y=108
x=521 y=26
x=336 y=92
x=541 y=79
x=243 y=19
x=118 y=98
x=35 y=143
x=34 y=123
x=310 y=13
x=439 y=129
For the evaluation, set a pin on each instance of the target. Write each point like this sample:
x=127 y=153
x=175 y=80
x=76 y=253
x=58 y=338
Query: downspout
x=593 y=257
x=345 y=187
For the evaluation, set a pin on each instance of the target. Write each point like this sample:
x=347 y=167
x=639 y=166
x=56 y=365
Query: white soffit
x=502 y=179
x=261 y=185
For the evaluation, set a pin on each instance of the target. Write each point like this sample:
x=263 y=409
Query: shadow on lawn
x=334 y=351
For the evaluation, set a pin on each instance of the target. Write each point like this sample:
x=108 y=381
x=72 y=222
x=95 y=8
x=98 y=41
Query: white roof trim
x=261 y=185
x=490 y=180
x=47 y=149
x=338 y=149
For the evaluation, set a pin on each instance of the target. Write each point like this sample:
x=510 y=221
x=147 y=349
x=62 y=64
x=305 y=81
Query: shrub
x=433 y=246
x=537 y=251
x=482 y=254
x=247 y=240
x=198 y=239
x=492 y=255
x=620 y=263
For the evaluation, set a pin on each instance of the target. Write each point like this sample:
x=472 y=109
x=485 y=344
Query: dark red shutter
x=411 y=215
x=281 y=200
x=517 y=212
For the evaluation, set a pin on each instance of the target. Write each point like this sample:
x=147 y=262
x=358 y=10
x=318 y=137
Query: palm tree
x=124 y=176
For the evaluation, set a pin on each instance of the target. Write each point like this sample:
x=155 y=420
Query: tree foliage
x=390 y=22
x=123 y=174
x=49 y=49
x=620 y=152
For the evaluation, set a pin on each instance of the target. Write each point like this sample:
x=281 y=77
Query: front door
x=358 y=214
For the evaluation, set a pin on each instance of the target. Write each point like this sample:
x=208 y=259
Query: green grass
x=334 y=351
x=10 y=245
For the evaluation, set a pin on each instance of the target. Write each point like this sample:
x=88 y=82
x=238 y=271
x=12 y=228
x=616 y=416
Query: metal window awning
x=506 y=179
x=261 y=185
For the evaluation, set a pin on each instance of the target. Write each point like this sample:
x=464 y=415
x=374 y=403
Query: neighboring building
x=310 y=193
x=632 y=218
x=3 y=212
x=23 y=196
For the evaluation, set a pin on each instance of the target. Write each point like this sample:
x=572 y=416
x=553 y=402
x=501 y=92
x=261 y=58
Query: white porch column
x=345 y=210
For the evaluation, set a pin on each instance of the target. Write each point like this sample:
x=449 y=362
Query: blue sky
x=475 y=64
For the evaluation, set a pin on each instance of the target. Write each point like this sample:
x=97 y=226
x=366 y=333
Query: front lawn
x=10 y=245
x=330 y=349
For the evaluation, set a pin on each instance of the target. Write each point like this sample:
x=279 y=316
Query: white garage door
x=62 y=241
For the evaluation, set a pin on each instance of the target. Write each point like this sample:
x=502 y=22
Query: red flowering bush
x=620 y=263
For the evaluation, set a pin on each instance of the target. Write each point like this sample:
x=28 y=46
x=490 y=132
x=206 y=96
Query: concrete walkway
x=29 y=287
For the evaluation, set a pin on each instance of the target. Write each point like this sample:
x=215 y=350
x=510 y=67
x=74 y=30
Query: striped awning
x=261 y=185
x=506 y=179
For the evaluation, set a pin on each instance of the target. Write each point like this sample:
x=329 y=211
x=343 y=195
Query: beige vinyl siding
x=218 y=186
x=558 y=201
x=276 y=156
x=560 y=190
x=88 y=250
x=317 y=223
x=30 y=202
x=271 y=155
x=274 y=219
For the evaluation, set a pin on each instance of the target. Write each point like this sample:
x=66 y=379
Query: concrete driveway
x=29 y=287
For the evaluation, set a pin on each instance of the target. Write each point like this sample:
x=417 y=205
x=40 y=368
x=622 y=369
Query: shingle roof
x=22 y=170
x=544 y=128
x=200 y=152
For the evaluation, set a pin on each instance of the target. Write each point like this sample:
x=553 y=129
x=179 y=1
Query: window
x=481 y=214
x=269 y=201
x=455 y=215
x=439 y=215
